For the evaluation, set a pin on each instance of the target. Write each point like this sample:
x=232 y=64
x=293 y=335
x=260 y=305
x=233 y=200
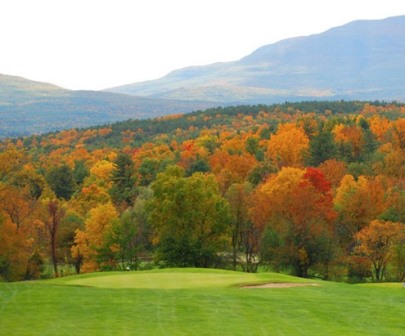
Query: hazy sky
x=96 y=44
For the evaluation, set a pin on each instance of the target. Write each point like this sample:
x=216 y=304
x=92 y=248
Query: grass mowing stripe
x=56 y=308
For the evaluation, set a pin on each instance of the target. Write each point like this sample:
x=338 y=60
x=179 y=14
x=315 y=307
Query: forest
x=313 y=189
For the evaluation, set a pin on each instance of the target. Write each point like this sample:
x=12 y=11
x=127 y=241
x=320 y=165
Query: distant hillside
x=360 y=60
x=28 y=107
x=21 y=91
x=180 y=127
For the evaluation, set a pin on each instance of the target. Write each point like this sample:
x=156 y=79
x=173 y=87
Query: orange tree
x=15 y=250
x=296 y=204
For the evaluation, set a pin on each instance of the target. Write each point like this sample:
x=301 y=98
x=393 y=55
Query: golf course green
x=198 y=302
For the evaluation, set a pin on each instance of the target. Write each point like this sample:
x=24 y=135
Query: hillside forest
x=314 y=189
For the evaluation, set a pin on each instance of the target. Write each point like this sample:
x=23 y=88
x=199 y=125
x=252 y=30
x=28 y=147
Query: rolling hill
x=360 y=60
x=28 y=107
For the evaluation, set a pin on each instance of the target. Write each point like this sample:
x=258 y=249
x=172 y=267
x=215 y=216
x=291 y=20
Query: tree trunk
x=56 y=214
x=234 y=254
x=377 y=270
x=78 y=263
x=53 y=253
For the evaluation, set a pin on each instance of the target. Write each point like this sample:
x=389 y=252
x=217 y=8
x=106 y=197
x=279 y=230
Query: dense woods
x=312 y=189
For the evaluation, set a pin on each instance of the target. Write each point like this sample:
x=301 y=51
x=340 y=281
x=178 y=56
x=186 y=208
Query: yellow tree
x=392 y=163
x=102 y=170
x=379 y=126
x=377 y=241
x=358 y=203
x=288 y=146
x=90 y=197
x=11 y=161
x=90 y=242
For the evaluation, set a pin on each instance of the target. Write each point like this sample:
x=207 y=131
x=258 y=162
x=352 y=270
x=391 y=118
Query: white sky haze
x=97 y=44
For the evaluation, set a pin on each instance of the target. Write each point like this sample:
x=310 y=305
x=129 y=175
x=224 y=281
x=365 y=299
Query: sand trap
x=281 y=285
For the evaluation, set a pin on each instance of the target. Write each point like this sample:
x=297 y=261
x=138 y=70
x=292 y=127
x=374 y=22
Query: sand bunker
x=281 y=285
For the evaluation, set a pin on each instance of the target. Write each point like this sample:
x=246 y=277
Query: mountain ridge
x=346 y=62
x=362 y=60
x=29 y=107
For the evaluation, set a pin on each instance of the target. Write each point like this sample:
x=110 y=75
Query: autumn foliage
x=313 y=189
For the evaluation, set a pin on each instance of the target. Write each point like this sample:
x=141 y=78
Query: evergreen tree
x=123 y=179
x=80 y=171
x=199 y=165
x=62 y=181
x=370 y=142
x=322 y=147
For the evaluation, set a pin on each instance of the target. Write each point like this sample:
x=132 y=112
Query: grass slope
x=196 y=302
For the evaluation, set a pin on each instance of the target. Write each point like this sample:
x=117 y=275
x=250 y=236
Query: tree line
x=313 y=189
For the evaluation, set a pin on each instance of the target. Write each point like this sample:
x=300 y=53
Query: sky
x=98 y=44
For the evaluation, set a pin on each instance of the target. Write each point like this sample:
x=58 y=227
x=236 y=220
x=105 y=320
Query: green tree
x=244 y=235
x=322 y=147
x=252 y=145
x=199 y=165
x=189 y=218
x=259 y=173
x=369 y=140
x=124 y=239
x=123 y=179
x=80 y=172
x=62 y=181
x=66 y=237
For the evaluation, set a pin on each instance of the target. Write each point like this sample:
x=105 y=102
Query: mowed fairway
x=197 y=302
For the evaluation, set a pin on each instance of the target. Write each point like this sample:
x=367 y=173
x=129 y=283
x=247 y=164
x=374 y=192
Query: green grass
x=197 y=302
x=384 y=285
x=174 y=279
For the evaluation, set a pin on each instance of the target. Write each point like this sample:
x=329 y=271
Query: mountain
x=360 y=60
x=17 y=90
x=28 y=107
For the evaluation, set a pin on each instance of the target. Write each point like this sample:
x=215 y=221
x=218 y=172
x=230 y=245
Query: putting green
x=164 y=280
x=174 y=279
